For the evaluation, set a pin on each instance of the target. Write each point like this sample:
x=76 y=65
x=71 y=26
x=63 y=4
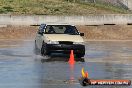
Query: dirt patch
x=107 y=32
x=17 y=32
x=113 y=32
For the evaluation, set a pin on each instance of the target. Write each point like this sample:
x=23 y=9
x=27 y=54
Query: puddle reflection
x=59 y=57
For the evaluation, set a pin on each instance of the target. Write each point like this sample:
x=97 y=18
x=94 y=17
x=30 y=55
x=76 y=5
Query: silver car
x=59 y=39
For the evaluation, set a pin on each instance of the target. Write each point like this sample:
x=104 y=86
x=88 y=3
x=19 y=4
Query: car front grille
x=65 y=42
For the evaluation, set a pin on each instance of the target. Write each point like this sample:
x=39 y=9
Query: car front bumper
x=63 y=48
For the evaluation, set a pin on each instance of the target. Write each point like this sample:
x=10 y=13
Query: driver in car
x=51 y=30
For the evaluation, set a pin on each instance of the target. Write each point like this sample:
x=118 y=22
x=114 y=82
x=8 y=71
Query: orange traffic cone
x=71 y=59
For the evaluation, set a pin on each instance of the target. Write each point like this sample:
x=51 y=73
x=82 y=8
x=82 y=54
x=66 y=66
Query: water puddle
x=21 y=68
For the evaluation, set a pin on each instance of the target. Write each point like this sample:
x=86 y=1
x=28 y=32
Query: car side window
x=51 y=30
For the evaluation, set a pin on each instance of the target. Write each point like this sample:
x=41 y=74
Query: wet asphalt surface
x=20 y=67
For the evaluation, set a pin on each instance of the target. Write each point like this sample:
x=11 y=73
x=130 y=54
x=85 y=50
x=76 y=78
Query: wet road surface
x=21 y=68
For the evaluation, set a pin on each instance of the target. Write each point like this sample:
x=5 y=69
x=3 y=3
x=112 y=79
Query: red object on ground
x=71 y=59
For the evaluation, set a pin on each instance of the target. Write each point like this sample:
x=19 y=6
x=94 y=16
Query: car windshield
x=61 y=29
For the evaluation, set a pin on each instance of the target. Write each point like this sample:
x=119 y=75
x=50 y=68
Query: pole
x=94 y=1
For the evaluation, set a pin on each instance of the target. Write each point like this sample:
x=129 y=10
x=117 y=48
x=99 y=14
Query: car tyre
x=44 y=51
x=80 y=55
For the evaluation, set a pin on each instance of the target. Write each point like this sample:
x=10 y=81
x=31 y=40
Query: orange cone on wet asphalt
x=71 y=59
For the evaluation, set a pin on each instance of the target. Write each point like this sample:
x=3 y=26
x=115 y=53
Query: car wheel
x=44 y=50
x=79 y=55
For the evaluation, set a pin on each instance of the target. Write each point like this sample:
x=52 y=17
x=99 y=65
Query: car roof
x=59 y=24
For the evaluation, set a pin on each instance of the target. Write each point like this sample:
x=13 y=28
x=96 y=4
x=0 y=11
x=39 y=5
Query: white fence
x=75 y=20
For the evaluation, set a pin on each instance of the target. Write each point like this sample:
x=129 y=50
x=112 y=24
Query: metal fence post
x=94 y=1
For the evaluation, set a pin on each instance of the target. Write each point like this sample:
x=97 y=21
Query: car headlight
x=52 y=42
x=81 y=43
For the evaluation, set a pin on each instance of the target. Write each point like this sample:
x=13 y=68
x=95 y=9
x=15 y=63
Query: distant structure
x=129 y=4
x=126 y=4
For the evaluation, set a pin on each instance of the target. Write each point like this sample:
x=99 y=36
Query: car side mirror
x=81 y=34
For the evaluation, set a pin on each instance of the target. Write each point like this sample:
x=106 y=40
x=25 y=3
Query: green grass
x=56 y=7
